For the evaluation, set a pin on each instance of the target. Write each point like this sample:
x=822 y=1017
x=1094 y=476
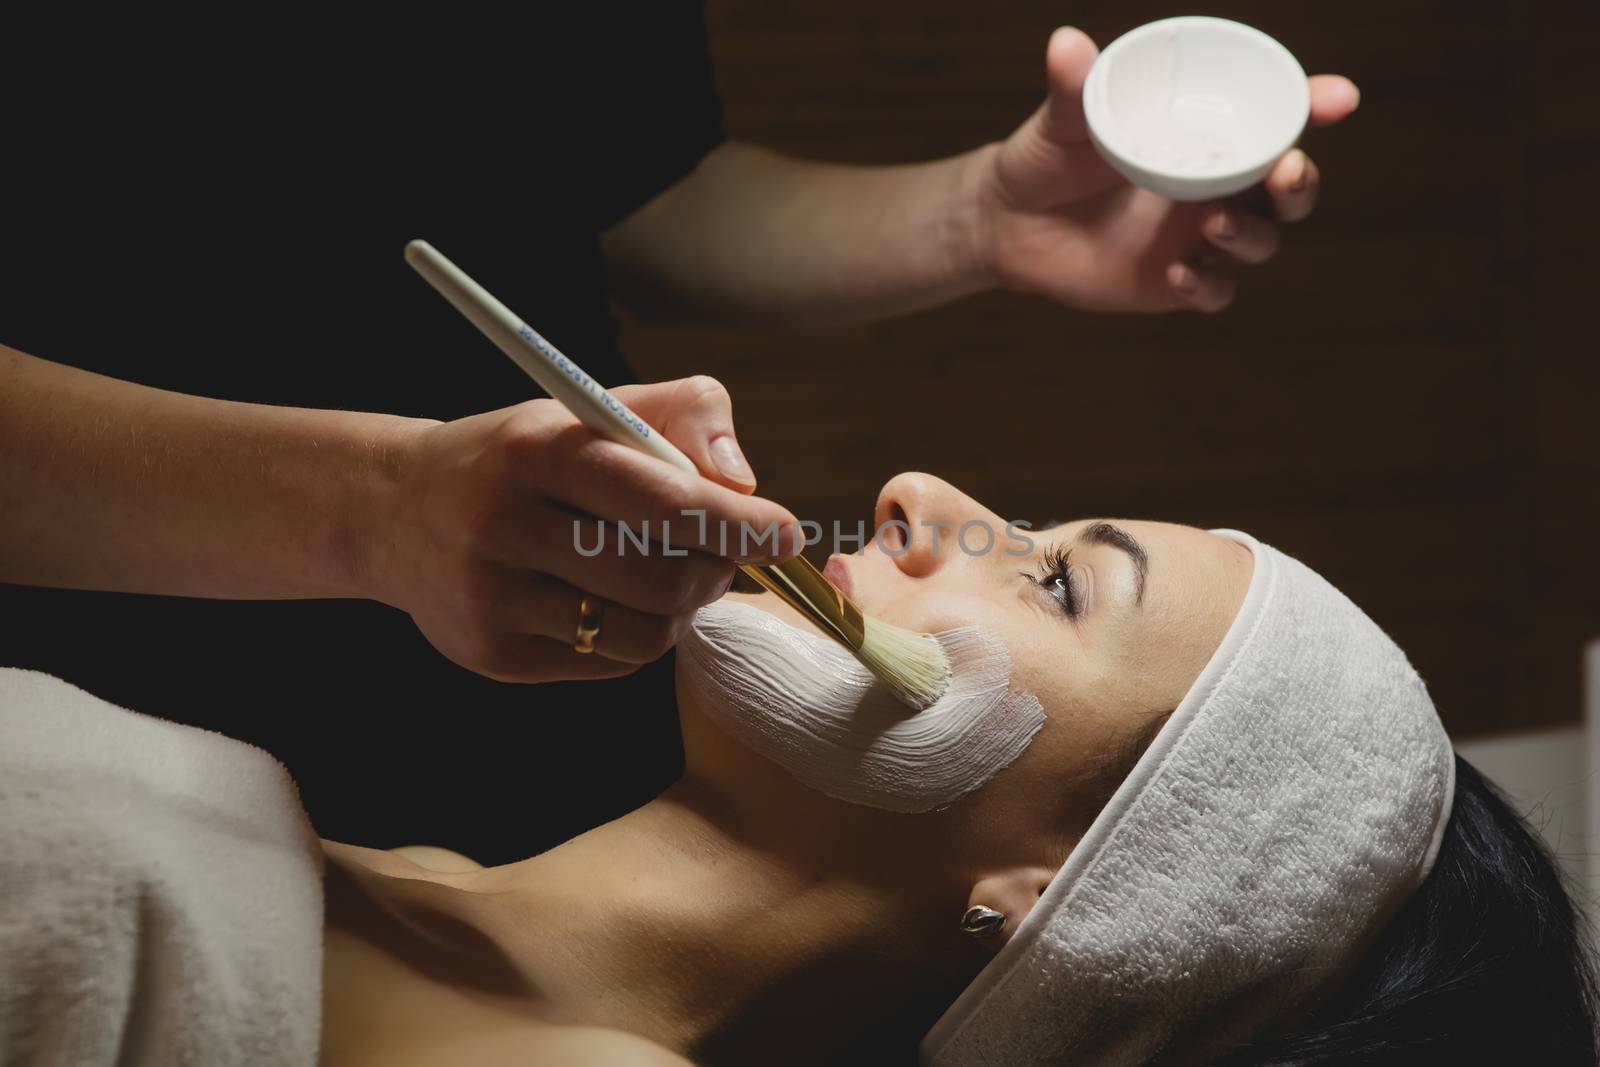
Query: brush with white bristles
x=912 y=665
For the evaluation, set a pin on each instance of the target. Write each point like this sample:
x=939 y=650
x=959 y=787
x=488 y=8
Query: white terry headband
x=1293 y=801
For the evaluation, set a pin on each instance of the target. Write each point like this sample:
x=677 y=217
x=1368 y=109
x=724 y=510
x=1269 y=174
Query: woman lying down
x=1182 y=803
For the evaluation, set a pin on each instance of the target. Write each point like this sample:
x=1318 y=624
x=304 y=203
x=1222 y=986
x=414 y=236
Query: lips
x=838 y=573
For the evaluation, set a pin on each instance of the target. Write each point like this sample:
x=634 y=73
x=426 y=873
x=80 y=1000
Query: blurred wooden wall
x=1406 y=399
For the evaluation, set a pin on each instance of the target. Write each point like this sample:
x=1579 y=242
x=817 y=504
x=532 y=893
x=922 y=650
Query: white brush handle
x=543 y=362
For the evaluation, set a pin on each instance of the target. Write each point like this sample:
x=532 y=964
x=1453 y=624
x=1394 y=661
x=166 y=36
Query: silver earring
x=982 y=922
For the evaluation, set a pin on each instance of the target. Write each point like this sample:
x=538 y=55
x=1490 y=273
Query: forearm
x=754 y=235
x=109 y=485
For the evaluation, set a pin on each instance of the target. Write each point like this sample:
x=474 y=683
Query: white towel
x=160 y=891
x=1295 y=799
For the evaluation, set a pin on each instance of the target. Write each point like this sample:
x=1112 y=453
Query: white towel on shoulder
x=160 y=891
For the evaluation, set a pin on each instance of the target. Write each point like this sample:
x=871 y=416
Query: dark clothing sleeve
x=229 y=221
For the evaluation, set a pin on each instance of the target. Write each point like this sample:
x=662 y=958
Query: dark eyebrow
x=1103 y=533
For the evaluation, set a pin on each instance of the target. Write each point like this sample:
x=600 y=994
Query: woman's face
x=1107 y=622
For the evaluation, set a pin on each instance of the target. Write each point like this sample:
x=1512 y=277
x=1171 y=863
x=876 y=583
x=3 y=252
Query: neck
x=722 y=936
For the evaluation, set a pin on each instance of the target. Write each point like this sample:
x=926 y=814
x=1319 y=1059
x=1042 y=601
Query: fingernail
x=1185 y=280
x=1226 y=228
x=790 y=541
x=1302 y=176
x=730 y=461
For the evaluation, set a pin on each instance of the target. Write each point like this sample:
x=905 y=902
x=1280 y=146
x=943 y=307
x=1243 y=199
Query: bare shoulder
x=439 y=859
x=520 y=1045
x=584 y=1046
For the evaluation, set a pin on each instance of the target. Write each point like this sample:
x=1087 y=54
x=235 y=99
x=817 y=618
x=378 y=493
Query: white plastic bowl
x=1195 y=108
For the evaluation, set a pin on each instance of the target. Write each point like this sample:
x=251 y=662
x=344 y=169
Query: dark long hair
x=1489 y=962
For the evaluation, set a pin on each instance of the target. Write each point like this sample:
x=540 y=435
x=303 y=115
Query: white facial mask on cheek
x=803 y=702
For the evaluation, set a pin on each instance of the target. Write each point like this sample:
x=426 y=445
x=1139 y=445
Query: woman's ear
x=1013 y=893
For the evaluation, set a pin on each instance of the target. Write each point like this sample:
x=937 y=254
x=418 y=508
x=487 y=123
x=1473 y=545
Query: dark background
x=1406 y=398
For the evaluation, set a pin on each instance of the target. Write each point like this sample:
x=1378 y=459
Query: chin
x=773 y=606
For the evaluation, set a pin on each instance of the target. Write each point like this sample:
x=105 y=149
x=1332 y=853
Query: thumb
x=1067 y=60
x=696 y=414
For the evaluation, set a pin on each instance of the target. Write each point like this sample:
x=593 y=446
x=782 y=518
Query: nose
x=918 y=518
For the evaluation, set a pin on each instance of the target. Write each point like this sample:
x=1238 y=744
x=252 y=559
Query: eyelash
x=1055 y=578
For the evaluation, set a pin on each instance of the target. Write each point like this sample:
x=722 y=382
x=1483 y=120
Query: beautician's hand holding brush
x=911 y=664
